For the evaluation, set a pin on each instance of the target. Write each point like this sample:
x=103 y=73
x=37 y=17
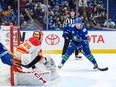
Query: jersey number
x=27 y=45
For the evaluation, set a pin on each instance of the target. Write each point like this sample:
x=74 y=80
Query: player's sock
x=64 y=59
x=93 y=61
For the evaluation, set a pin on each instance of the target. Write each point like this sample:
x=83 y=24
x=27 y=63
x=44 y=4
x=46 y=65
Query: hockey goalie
x=30 y=57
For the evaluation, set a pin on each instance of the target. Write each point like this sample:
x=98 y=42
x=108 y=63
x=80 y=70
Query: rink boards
x=100 y=41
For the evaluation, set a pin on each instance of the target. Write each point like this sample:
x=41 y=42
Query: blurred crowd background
x=55 y=14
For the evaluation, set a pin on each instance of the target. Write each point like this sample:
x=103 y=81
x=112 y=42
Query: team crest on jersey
x=84 y=30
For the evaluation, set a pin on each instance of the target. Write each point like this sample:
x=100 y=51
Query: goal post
x=12 y=48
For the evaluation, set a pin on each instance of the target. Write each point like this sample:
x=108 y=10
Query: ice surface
x=76 y=73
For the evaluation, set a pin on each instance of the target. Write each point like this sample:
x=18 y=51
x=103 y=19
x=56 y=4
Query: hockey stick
x=101 y=69
x=36 y=74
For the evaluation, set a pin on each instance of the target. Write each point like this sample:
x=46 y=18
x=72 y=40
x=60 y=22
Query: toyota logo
x=52 y=39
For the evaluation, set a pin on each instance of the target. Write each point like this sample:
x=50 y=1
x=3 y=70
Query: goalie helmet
x=38 y=34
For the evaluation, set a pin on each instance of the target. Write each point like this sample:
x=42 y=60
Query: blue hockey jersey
x=5 y=56
x=77 y=35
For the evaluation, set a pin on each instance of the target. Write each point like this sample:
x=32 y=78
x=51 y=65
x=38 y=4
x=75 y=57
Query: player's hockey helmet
x=78 y=20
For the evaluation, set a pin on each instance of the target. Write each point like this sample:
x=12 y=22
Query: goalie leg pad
x=29 y=79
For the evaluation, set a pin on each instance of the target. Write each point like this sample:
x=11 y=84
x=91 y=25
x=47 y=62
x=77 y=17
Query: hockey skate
x=78 y=57
x=60 y=66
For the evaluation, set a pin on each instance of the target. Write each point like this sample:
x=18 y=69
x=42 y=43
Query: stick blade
x=103 y=69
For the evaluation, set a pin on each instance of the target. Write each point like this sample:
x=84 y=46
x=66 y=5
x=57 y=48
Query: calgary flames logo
x=52 y=39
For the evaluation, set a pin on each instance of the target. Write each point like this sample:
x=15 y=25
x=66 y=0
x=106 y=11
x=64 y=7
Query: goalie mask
x=38 y=34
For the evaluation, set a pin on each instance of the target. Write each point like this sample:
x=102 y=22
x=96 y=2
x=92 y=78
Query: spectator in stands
x=62 y=23
x=7 y=11
x=72 y=4
x=65 y=5
x=82 y=10
x=84 y=17
x=88 y=26
x=98 y=3
x=100 y=19
x=21 y=18
x=12 y=18
x=66 y=13
x=30 y=9
x=90 y=3
x=92 y=22
x=110 y=23
x=3 y=4
x=24 y=25
x=95 y=12
x=82 y=2
x=43 y=5
x=37 y=9
x=53 y=23
x=39 y=14
x=98 y=26
x=9 y=16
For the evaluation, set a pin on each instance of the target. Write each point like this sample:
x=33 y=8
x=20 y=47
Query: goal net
x=10 y=37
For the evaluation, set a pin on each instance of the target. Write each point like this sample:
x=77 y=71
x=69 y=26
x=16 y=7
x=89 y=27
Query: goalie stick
x=36 y=74
x=101 y=69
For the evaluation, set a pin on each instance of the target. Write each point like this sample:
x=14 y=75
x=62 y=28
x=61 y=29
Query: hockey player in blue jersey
x=5 y=56
x=79 y=41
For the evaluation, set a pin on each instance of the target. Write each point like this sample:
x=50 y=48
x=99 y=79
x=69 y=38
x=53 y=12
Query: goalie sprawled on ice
x=28 y=58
